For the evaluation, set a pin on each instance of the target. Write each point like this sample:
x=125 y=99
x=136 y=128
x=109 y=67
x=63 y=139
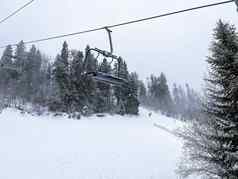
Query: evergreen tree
x=20 y=55
x=142 y=93
x=28 y=72
x=42 y=79
x=6 y=80
x=153 y=92
x=131 y=102
x=61 y=75
x=193 y=107
x=177 y=100
x=166 y=103
x=6 y=59
x=159 y=94
x=212 y=149
x=20 y=62
x=183 y=101
x=77 y=81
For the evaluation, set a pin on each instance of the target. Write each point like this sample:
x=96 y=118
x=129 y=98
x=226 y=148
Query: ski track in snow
x=112 y=147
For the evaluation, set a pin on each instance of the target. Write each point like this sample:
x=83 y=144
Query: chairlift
x=102 y=77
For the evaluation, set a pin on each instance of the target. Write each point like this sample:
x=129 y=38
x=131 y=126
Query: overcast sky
x=176 y=45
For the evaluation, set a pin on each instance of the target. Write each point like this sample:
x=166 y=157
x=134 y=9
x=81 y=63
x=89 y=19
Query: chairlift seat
x=107 y=78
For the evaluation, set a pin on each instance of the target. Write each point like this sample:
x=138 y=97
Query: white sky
x=177 y=45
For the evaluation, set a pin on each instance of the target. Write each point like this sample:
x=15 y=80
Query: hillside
x=111 y=147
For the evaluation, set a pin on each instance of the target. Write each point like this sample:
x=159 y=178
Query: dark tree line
x=181 y=103
x=24 y=77
x=28 y=77
x=211 y=141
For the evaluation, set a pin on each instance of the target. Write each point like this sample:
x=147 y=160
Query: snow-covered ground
x=112 y=147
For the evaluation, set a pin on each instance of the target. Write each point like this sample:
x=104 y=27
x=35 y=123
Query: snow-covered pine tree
x=183 y=101
x=44 y=89
x=6 y=80
x=193 y=107
x=153 y=92
x=142 y=93
x=211 y=145
x=159 y=94
x=221 y=105
x=177 y=100
x=20 y=62
x=29 y=72
x=61 y=75
x=20 y=55
x=78 y=85
x=165 y=103
x=131 y=91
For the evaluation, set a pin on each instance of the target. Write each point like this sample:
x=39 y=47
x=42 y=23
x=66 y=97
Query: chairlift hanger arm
x=110 y=38
x=236 y=1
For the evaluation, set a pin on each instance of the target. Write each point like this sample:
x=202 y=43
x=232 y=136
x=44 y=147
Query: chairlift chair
x=102 y=77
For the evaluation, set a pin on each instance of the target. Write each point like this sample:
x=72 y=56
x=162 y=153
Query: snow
x=112 y=147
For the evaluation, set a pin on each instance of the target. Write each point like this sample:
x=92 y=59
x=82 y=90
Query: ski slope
x=112 y=147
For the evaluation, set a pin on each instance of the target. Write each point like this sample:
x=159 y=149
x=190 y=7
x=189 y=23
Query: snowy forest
x=30 y=77
x=136 y=129
x=81 y=112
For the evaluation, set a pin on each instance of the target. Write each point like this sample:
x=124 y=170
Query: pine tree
x=142 y=93
x=177 y=100
x=20 y=62
x=44 y=90
x=212 y=143
x=77 y=81
x=41 y=79
x=153 y=92
x=221 y=105
x=193 y=106
x=166 y=103
x=20 y=55
x=6 y=61
x=28 y=72
x=6 y=80
x=131 y=102
x=61 y=75
x=159 y=94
